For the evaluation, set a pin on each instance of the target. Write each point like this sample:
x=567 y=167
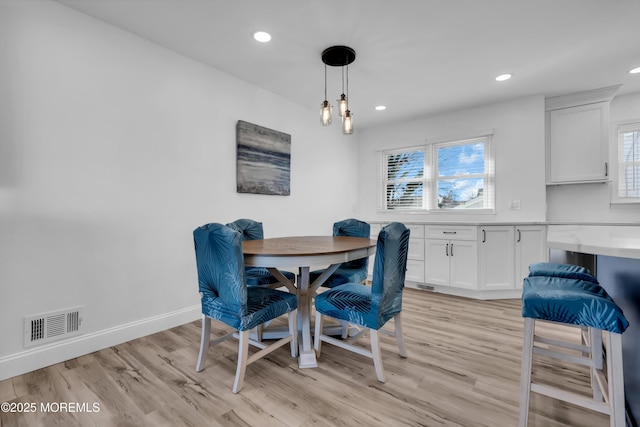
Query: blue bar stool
x=582 y=303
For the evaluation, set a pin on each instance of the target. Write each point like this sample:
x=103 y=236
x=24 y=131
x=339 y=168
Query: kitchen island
x=616 y=248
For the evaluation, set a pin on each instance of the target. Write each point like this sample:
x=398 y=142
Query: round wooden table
x=304 y=252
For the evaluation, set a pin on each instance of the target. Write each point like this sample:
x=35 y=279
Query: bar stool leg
x=595 y=343
x=615 y=379
x=525 y=379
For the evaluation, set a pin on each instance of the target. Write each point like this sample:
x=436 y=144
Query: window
x=628 y=180
x=462 y=179
x=404 y=179
x=452 y=175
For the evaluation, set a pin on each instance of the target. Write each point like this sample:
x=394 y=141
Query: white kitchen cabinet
x=577 y=128
x=506 y=252
x=496 y=269
x=415 y=257
x=531 y=247
x=451 y=256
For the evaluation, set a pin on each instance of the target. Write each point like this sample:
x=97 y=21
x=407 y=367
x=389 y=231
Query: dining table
x=305 y=252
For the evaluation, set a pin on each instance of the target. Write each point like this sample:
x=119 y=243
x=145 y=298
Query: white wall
x=518 y=144
x=592 y=202
x=112 y=150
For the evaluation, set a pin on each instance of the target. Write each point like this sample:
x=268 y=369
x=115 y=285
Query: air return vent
x=52 y=326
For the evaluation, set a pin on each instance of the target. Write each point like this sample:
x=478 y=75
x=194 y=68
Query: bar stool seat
x=583 y=303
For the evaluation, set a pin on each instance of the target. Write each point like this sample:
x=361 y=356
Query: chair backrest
x=250 y=229
x=220 y=264
x=389 y=268
x=353 y=228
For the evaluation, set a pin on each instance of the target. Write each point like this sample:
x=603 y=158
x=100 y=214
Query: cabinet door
x=436 y=262
x=578 y=143
x=463 y=257
x=531 y=247
x=496 y=257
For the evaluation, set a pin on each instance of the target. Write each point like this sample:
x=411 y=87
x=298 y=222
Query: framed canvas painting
x=263 y=160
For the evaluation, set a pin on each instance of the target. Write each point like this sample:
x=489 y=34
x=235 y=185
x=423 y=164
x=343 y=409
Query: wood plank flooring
x=463 y=369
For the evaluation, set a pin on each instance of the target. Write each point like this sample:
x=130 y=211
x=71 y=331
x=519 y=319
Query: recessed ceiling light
x=635 y=70
x=261 y=36
x=381 y=107
x=503 y=77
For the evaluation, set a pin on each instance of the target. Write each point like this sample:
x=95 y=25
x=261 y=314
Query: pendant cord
x=325 y=81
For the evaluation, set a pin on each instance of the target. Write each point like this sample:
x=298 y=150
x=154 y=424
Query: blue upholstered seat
x=571 y=301
x=568 y=271
x=256 y=276
x=370 y=307
x=227 y=298
x=570 y=295
x=352 y=271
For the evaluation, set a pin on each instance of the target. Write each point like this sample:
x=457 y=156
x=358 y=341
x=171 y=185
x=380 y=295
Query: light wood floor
x=463 y=369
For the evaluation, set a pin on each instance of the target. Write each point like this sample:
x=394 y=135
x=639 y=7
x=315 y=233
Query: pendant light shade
x=325 y=113
x=347 y=123
x=342 y=105
x=325 y=107
x=338 y=56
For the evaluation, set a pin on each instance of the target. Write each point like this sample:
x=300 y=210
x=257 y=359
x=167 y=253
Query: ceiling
x=417 y=57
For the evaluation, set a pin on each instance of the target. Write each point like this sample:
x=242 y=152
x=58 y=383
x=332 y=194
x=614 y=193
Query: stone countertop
x=620 y=240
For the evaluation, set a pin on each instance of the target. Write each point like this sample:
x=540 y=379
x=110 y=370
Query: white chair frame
x=348 y=344
x=608 y=390
x=243 y=349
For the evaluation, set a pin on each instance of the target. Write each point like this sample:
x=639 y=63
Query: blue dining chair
x=352 y=271
x=370 y=307
x=257 y=276
x=227 y=298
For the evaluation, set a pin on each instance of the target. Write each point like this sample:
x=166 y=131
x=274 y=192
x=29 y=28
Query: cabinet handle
x=446 y=250
x=449 y=232
x=452 y=249
x=484 y=235
x=606 y=169
x=519 y=236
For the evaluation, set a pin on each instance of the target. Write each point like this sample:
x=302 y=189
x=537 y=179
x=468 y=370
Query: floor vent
x=425 y=287
x=52 y=326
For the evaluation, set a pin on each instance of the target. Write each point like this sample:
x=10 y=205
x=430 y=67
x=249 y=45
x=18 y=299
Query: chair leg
x=595 y=344
x=397 y=321
x=615 y=379
x=345 y=329
x=293 y=330
x=525 y=375
x=375 y=354
x=317 y=342
x=204 y=342
x=243 y=355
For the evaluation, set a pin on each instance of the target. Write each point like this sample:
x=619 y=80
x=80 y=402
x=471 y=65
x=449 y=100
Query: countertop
x=619 y=240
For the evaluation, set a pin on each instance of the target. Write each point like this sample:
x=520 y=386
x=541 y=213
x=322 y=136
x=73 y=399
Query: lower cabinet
x=482 y=261
x=451 y=263
x=451 y=256
x=506 y=252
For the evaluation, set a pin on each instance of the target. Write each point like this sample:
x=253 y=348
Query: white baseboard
x=46 y=355
x=468 y=293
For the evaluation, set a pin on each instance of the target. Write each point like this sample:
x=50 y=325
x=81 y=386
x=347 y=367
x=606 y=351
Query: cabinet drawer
x=455 y=232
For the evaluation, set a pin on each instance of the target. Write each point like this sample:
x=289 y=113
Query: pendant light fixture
x=338 y=56
x=325 y=107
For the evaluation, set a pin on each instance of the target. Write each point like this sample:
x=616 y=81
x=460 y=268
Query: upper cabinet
x=577 y=128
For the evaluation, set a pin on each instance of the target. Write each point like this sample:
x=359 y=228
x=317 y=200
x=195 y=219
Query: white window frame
x=430 y=180
x=488 y=175
x=383 y=180
x=620 y=129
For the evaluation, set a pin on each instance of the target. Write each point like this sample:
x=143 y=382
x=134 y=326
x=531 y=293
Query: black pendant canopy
x=337 y=56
